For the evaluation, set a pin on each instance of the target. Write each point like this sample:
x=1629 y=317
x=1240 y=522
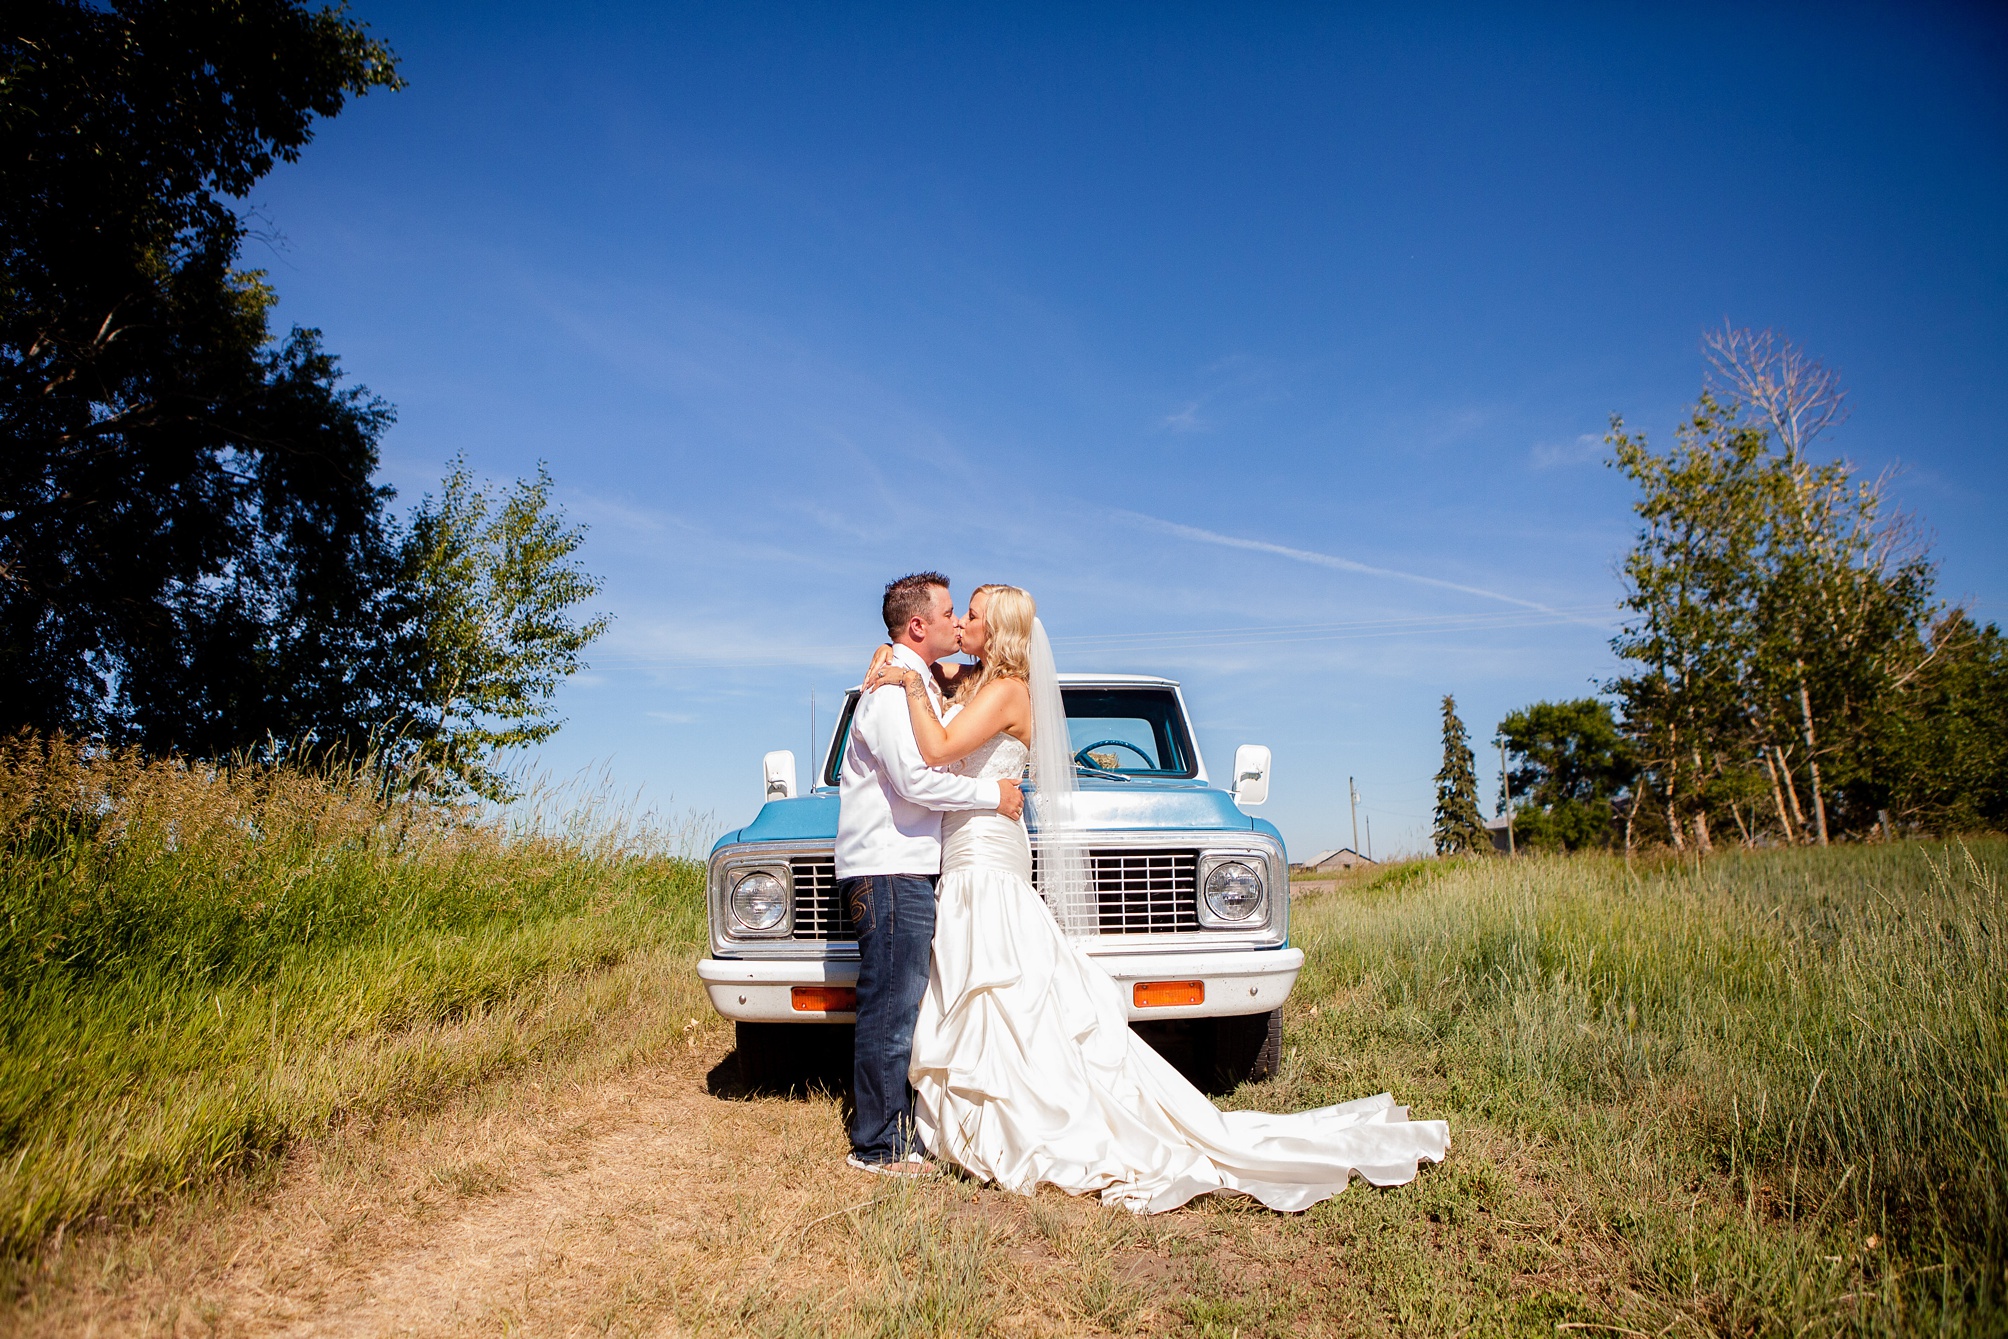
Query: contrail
x=1193 y=532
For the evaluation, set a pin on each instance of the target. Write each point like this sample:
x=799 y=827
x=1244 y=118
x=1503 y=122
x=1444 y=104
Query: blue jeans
x=895 y=919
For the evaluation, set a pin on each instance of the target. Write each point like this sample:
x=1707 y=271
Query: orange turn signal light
x=1158 y=994
x=824 y=999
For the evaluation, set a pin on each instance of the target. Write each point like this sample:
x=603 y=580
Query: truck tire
x=1218 y=1055
x=1269 y=1060
x=780 y=1058
x=1248 y=1049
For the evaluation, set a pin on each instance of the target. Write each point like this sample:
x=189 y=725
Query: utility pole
x=1506 y=789
x=1370 y=836
x=814 y=762
x=1354 y=791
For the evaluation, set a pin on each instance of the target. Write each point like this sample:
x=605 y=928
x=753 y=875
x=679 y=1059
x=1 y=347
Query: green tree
x=194 y=553
x=1460 y=827
x=1777 y=609
x=192 y=550
x=1690 y=577
x=485 y=601
x=1938 y=755
x=1569 y=765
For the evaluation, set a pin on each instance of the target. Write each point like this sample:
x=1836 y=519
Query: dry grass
x=598 y=1197
x=200 y=967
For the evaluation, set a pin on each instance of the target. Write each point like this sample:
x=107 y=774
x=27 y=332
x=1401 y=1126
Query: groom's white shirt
x=889 y=815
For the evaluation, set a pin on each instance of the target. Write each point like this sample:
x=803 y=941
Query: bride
x=1024 y=1066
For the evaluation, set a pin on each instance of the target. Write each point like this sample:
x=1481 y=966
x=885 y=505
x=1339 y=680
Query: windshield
x=1128 y=731
x=1120 y=731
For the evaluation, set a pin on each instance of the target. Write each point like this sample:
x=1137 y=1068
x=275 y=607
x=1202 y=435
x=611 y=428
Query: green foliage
x=487 y=595
x=1778 y=616
x=193 y=555
x=190 y=542
x=1938 y=755
x=1460 y=828
x=1573 y=762
x=200 y=967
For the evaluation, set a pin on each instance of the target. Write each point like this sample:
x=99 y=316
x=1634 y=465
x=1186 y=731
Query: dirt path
x=625 y=1185
x=548 y=1210
x=649 y=1204
x=658 y=1199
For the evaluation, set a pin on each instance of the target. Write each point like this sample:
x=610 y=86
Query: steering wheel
x=1081 y=755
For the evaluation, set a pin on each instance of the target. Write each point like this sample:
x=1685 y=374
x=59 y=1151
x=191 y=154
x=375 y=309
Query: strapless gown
x=1025 y=1069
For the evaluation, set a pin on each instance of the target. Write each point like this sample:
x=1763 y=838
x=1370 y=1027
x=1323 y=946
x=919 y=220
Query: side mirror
x=1251 y=774
x=778 y=768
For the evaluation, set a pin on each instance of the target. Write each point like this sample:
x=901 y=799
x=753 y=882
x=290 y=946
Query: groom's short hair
x=909 y=598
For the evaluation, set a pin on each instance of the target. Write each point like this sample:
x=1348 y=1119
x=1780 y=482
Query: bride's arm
x=946 y=672
x=881 y=657
x=975 y=723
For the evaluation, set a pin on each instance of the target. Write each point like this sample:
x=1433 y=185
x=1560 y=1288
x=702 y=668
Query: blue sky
x=1270 y=347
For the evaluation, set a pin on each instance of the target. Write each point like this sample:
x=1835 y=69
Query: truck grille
x=1140 y=891
x=819 y=912
x=1146 y=892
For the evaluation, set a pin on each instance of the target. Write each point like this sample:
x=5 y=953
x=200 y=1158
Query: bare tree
x=1799 y=396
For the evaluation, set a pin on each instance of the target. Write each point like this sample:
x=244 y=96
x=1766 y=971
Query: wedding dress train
x=1025 y=1069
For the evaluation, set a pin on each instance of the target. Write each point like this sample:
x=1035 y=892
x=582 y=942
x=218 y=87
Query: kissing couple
x=985 y=1037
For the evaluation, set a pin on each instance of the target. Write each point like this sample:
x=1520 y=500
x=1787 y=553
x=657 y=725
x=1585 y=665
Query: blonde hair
x=1008 y=652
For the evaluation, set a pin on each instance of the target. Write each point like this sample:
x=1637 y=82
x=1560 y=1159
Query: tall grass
x=199 y=966
x=1766 y=1093
x=1785 y=1074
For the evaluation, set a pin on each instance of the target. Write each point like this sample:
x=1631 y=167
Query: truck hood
x=1136 y=806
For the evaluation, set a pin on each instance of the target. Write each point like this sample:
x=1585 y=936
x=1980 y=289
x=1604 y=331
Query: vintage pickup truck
x=1194 y=893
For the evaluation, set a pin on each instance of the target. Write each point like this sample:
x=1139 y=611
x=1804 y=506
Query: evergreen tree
x=1571 y=765
x=1460 y=827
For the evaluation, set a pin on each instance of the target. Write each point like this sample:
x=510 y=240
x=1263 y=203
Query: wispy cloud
x=849 y=526
x=1333 y=561
x=1185 y=419
x=1586 y=448
x=596 y=508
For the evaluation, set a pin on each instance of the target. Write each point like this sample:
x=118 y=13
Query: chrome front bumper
x=1236 y=981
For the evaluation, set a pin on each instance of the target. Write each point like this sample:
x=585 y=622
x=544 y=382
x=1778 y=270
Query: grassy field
x=198 y=970
x=1766 y=1094
x=1763 y=1094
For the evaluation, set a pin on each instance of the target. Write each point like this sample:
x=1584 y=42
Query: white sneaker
x=910 y=1166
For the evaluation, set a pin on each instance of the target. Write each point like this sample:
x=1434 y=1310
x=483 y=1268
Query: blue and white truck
x=1193 y=892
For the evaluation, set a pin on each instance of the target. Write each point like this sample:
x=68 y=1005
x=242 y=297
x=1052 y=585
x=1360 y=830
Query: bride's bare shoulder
x=1009 y=698
x=1005 y=689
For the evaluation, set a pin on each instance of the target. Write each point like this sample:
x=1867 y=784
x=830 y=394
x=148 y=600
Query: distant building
x=1497 y=828
x=1330 y=862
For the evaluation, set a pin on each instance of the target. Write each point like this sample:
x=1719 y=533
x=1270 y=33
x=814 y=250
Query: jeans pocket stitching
x=861 y=907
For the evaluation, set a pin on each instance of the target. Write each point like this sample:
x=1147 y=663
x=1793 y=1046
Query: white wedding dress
x=1025 y=1069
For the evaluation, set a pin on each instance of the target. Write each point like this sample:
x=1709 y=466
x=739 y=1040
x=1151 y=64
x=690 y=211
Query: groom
x=888 y=858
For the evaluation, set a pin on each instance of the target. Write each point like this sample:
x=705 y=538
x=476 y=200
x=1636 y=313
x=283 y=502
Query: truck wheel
x=1219 y=1054
x=794 y=1057
x=1248 y=1049
x=1269 y=1060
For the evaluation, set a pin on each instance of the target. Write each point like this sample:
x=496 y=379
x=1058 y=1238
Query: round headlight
x=1233 y=891
x=759 y=901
